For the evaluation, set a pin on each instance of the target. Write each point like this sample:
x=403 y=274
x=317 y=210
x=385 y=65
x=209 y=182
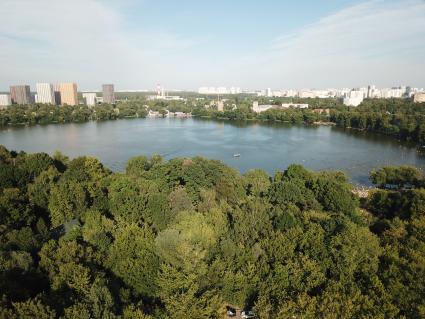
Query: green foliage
x=396 y=176
x=400 y=118
x=136 y=166
x=257 y=182
x=33 y=308
x=39 y=190
x=14 y=209
x=45 y=114
x=139 y=201
x=180 y=200
x=187 y=237
x=68 y=200
x=132 y=258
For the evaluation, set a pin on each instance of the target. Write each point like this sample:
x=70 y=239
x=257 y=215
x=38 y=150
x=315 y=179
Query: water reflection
x=271 y=146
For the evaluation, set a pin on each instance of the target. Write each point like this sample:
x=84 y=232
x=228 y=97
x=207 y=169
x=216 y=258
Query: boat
x=237 y=155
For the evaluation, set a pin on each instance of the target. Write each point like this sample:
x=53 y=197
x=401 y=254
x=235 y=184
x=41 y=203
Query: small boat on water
x=237 y=155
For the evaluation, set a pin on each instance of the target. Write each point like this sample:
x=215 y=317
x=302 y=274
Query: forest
x=189 y=237
x=46 y=113
x=399 y=118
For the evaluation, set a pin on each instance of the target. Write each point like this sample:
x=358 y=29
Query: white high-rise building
x=90 y=98
x=235 y=90
x=355 y=97
x=290 y=93
x=269 y=92
x=220 y=106
x=45 y=93
x=221 y=90
x=371 y=89
x=306 y=93
x=419 y=97
x=5 y=100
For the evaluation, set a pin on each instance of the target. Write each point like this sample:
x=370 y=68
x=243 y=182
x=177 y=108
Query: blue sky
x=237 y=21
x=186 y=44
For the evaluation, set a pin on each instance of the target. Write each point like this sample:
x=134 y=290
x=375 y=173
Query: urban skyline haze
x=188 y=44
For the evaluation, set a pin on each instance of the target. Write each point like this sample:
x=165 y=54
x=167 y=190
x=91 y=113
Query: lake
x=270 y=146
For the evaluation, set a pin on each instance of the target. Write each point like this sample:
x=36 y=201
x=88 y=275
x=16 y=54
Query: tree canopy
x=188 y=237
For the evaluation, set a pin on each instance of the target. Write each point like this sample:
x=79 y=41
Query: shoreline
x=189 y=115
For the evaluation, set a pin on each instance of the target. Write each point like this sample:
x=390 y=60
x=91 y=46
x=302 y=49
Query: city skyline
x=67 y=93
x=220 y=89
x=187 y=45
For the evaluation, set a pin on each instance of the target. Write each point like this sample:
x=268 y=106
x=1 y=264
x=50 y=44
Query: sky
x=186 y=44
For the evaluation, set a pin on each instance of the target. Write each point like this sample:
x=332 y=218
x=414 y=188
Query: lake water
x=270 y=146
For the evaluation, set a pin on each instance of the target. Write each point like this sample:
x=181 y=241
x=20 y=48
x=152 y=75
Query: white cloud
x=80 y=40
x=380 y=42
x=89 y=41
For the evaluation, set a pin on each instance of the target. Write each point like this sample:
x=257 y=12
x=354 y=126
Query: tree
x=39 y=190
x=187 y=237
x=184 y=298
x=14 y=209
x=136 y=166
x=396 y=176
x=257 y=182
x=180 y=200
x=33 y=308
x=68 y=200
x=132 y=258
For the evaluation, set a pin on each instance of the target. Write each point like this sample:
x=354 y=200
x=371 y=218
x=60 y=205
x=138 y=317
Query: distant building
x=322 y=111
x=295 y=105
x=235 y=90
x=165 y=97
x=220 y=106
x=322 y=94
x=355 y=97
x=290 y=93
x=45 y=93
x=90 y=98
x=5 y=100
x=372 y=92
x=99 y=100
x=20 y=94
x=154 y=114
x=261 y=108
x=269 y=92
x=419 y=97
x=306 y=94
x=388 y=93
x=178 y=114
x=353 y=101
x=68 y=93
x=206 y=90
x=57 y=93
x=203 y=90
x=108 y=93
x=219 y=90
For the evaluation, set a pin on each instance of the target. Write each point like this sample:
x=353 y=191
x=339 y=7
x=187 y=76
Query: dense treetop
x=187 y=237
x=46 y=113
x=399 y=118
